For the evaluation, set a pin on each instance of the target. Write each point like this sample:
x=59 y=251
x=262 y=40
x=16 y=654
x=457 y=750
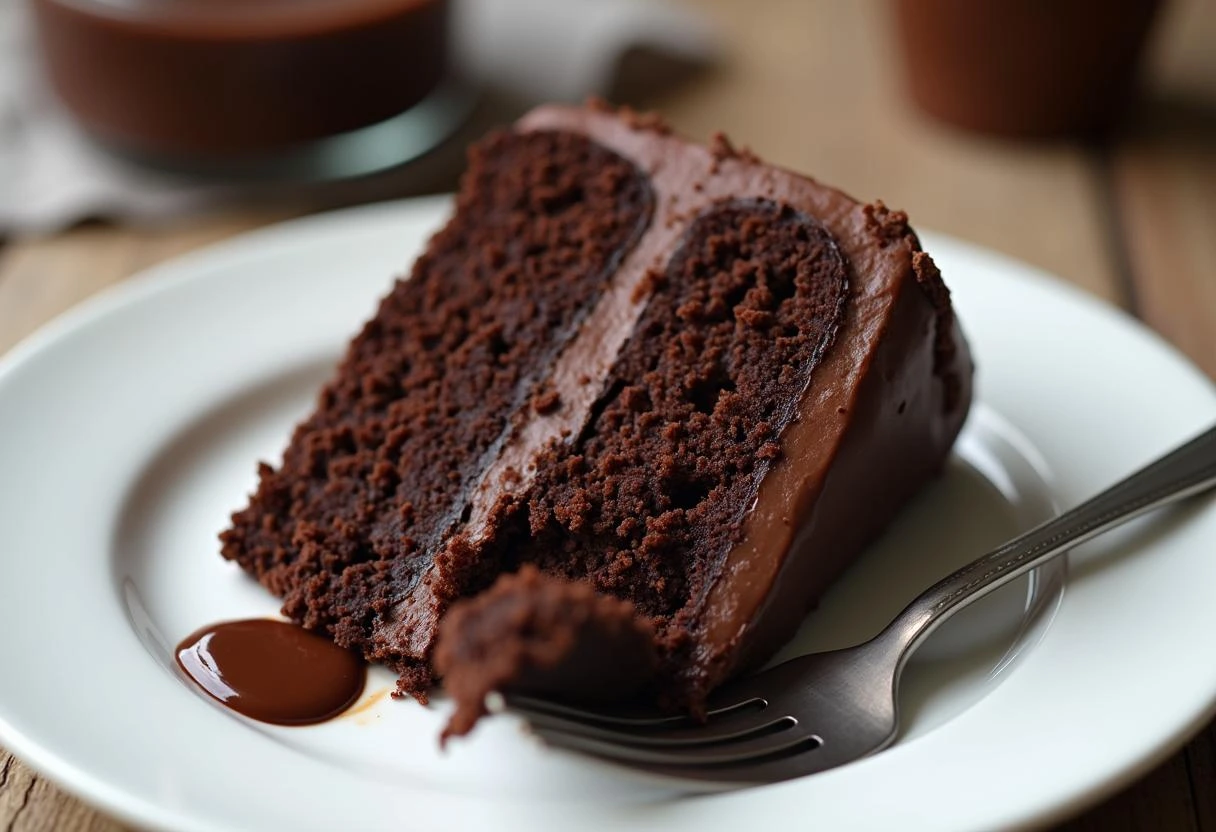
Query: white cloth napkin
x=540 y=50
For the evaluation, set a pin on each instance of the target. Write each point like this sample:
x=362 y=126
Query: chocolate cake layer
x=374 y=482
x=650 y=497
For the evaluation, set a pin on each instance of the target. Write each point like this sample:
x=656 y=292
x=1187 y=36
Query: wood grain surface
x=815 y=86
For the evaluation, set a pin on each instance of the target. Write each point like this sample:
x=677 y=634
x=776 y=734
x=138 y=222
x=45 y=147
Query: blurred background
x=1077 y=135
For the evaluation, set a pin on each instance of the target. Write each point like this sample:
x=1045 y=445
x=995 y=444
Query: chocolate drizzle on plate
x=272 y=671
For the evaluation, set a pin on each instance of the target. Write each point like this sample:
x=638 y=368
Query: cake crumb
x=644 y=120
x=722 y=148
x=651 y=282
x=546 y=401
x=891 y=226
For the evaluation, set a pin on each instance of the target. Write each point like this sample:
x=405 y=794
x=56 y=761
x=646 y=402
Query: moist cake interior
x=647 y=500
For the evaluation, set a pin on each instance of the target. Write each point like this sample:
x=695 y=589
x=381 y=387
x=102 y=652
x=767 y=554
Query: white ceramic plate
x=129 y=430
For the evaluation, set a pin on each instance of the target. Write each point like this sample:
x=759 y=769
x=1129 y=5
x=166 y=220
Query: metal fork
x=826 y=709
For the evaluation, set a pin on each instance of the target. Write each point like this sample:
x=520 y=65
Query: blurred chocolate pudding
x=229 y=79
x=1024 y=68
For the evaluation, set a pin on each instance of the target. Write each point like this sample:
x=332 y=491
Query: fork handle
x=1186 y=471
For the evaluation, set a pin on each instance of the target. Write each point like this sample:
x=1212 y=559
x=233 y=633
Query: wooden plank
x=1201 y=760
x=30 y=804
x=43 y=278
x=1171 y=236
x=40 y=278
x=1160 y=801
x=1165 y=180
x=16 y=783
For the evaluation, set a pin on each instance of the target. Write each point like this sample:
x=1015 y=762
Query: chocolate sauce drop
x=272 y=671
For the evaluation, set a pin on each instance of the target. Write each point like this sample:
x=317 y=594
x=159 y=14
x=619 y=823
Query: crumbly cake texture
x=636 y=405
x=649 y=499
x=541 y=636
x=373 y=483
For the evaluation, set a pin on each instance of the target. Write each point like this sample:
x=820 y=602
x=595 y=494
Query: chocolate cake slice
x=667 y=391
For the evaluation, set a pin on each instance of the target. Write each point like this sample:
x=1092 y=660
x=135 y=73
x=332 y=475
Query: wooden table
x=815 y=86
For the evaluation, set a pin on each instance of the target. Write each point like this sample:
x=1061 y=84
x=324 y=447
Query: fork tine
x=744 y=720
x=714 y=778
x=728 y=731
x=527 y=706
x=789 y=741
